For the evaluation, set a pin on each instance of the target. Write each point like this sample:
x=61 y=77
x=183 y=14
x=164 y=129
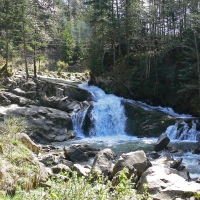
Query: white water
x=108 y=115
x=184 y=133
x=78 y=120
x=109 y=121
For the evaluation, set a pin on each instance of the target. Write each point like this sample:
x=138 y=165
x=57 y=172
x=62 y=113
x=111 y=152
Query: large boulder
x=79 y=152
x=145 y=122
x=52 y=159
x=133 y=161
x=163 y=184
x=43 y=172
x=28 y=94
x=4 y=101
x=162 y=142
x=117 y=178
x=103 y=162
x=49 y=125
x=30 y=85
x=82 y=170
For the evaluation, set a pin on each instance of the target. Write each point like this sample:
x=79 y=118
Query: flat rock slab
x=49 y=125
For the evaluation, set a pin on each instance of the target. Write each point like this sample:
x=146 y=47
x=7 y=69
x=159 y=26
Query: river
x=108 y=130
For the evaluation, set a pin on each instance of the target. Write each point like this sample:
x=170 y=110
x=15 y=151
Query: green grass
x=21 y=181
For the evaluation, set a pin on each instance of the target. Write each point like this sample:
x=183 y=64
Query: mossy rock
x=146 y=123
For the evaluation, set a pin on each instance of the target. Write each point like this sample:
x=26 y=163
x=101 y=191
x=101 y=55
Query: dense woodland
x=151 y=48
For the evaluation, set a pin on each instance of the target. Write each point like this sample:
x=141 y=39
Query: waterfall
x=107 y=116
x=78 y=120
x=183 y=130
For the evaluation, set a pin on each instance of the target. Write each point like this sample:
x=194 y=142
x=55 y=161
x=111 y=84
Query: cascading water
x=107 y=116
x=108 y=122
x=182 y=131
x=78 y=120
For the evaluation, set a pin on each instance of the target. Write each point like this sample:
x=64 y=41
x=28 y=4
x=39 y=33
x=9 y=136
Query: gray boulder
x=79 y=153
x=28 y=94
x=61 y=168
x=4 y=101
x=54 y=159
x=162 y=142
x=176 y=163
x=103 y=162
x=116 y=179
x=81 y=170
x=43 y=172
x=133 y=161
x=49 y=125
x=163 y=184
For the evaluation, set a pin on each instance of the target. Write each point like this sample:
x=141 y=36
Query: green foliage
x=23 y=173
x=12 y=125
x=15 y=158
x=61 y=66
x=79 y=188
x=68 y=47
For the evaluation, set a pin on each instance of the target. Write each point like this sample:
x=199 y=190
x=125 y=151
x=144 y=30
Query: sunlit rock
x=103 y=162
x=132 y=161
x=164 y=184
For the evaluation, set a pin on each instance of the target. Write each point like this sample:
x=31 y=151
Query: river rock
x=103 y=162
x=153 y=155
x=4 y=101
x=28 y=94
x=78 y=152
x=176 y=163
x=183 y=173
x=49 y=124
x=29 y=85
x=81 y=170
x=198 y=180
x=43 y=173
x=75 y=155
x=61 y=168
x=133 y=177
x=26 y=140
x=162 y=142
x=197 y=148
x=133 y=161
x=54 y=159
x=14 y=99
x=144 y=122
x=163 y=184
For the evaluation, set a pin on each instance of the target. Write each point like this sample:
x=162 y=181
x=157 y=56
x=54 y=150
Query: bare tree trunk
x=198 y=61
x=24 y=44
x=7 y=52
x=34 y=62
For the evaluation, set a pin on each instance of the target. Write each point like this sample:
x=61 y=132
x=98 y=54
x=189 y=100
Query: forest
x=149 y=48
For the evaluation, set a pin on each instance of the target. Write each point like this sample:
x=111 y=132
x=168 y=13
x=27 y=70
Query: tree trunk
x=24 y=44
x=198 y=61
x=34 y=62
